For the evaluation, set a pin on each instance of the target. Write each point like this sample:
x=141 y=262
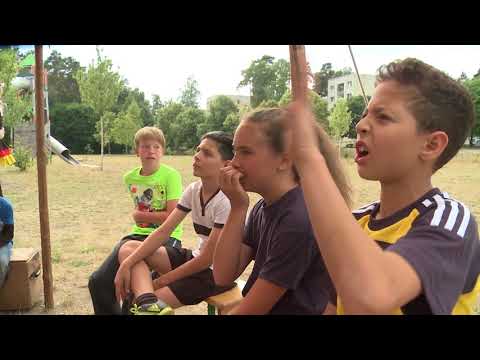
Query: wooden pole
x=298 y=72
x=42 y=178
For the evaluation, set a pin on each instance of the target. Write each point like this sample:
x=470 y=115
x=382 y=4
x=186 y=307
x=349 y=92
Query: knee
x=126 y=249
x=93 y=280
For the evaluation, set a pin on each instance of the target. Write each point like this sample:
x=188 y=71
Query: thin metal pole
x=358 y=76
x=42 y=178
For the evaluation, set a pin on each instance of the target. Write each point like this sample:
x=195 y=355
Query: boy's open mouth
x=361 y=150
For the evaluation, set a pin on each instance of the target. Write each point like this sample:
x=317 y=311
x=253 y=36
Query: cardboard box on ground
x=23 y=287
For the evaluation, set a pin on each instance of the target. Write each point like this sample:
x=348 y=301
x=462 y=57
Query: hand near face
x=231 y=187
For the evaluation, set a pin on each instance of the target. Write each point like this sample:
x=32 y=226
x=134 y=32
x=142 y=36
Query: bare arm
x=260 y=299
x=231 y=255
x=156 y=238
x=367 y=279
x=155 y=217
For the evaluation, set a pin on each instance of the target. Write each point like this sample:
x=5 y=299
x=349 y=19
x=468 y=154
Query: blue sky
x=163 y=70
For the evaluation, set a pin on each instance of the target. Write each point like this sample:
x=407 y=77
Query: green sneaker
x=151 y=309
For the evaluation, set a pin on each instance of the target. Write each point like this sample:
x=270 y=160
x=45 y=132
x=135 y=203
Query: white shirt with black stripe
x=206 y=213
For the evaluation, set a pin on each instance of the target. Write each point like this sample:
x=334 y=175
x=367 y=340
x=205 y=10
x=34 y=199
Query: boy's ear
x=435 y=144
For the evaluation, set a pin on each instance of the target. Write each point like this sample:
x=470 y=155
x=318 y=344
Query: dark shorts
x=170 y=242
x=195 y=288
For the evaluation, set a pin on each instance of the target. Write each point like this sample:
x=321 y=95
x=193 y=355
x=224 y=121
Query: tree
x=463 y=77
x=8 y=67
x=477 y=74
x=356 y=106
x=184 y=130
x=217 y=112
x=125 y=98
x=18 y=109
x=268 y=79
x=166 y=117
x=108 y=119
x=319 y=107
x=473 y=86
x=320 y=79
x=62 y=87
x=99 y=88
x=340 y=119
x=190 y=93
x=126 y=124
x=157 y=104
x=75 y=124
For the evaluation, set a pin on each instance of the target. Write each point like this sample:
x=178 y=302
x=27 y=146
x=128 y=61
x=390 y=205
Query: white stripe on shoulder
x=465 y=221
x=437 y=216
x=427 y=202
x=364 y=209
x=452 y=218
x=445 y=195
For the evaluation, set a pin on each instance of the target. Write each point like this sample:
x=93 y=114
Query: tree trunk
x=471 y=139
x=101 y=144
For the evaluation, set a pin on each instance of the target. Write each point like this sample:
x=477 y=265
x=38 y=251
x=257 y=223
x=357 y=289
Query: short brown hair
x=438 y=102
x=149 y=133
x=272 y=121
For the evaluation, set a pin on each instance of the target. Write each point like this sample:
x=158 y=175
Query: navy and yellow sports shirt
x=439 y=238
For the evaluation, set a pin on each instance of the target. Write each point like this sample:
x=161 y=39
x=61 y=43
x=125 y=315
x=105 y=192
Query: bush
x=23 y=157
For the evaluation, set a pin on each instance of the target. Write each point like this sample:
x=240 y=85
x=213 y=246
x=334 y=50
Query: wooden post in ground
x=42 y=178
x=298 y=72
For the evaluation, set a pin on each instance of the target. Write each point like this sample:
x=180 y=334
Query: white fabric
x=216 y=210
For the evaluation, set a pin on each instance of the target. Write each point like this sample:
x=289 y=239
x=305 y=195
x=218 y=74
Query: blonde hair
x=149 y=133
x=272 y=120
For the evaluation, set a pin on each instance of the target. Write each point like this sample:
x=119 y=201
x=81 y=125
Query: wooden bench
x=224 y=302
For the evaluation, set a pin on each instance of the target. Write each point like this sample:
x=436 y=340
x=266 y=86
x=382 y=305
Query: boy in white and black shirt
x=186 y=276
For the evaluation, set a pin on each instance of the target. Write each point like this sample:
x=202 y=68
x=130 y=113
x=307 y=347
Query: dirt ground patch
x=89 y=212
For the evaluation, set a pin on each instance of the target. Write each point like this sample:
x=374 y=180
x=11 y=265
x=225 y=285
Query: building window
x=349 y=84
x=349 y=96
x=340 y=90
x=332 y=99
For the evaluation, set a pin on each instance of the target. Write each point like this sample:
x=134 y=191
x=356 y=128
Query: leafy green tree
x=473 y=87
x=157 y=104
x=125 y=98
x=62 y=87
x=356 y=106
x=340 y=119
x=8 y=67
x=166 y=117
x=184 y=131
x=74 y=124
x=319 y=107
x=269 y=103
x=190 y=93
x=99 y=88
x=126 y=124
x=18 y=109
x=217 y=112
x=108 y=119
x=267 y=78
x=320 y=79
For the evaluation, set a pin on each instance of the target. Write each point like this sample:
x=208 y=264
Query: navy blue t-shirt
x=286 y=254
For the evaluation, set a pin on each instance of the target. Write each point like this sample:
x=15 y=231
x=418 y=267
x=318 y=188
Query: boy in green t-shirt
x=155 y=189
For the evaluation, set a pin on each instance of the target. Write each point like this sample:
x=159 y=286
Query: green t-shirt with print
x=151 y=193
